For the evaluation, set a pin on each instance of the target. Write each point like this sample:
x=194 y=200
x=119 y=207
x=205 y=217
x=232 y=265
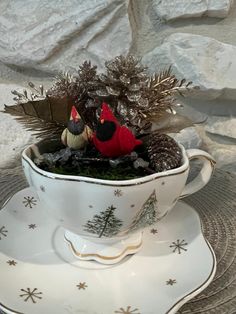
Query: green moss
x=90 y=163
x=118 y=173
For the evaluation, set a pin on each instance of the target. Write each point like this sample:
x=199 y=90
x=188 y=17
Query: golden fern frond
x=160 y=89
x=165 y=84
x=46 y=118
x=162 y=77
x=170 y=123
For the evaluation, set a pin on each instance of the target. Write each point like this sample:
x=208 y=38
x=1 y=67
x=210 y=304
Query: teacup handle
x=204 y=175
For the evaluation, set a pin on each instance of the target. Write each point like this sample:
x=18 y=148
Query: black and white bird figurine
x=77 y=134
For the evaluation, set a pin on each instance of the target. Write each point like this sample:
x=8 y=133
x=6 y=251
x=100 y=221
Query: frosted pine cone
x=164 y=153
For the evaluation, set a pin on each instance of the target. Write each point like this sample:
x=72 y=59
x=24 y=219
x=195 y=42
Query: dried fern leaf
x=39 y=127
x=46 y=117
x=170 y=123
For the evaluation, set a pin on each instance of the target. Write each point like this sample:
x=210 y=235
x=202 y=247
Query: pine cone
x=164 y=153
x=122 y=84
x=124 y=78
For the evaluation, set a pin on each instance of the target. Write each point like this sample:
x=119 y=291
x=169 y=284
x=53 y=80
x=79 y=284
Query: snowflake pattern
x=171 y=282
x=31 y=295
x=29 y=201
x=178 y=246
x=12 y=262
x=118 y=193
x=154 y=231
x=32 y=226
x=127 y=311
x=82 y=285
x=3 y=232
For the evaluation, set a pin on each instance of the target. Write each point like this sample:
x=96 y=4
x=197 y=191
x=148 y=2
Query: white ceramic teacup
x=104 y=219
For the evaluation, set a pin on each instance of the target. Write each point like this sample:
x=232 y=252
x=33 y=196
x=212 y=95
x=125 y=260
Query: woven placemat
x=216 y=205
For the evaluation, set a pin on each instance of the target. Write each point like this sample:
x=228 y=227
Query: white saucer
x=39 y=274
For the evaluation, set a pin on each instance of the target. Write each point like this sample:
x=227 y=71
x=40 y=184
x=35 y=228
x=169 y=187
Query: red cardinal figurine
x=111 y=139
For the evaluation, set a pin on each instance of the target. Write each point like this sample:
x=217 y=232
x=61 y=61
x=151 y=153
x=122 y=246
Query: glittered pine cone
x=164 y=153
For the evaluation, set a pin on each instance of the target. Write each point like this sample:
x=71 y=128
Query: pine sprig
x=64 y=85
x=159 y=94
x=137 y=99
x=77 y=89
x=161 y=87
x=165 y=84
x=87 y=73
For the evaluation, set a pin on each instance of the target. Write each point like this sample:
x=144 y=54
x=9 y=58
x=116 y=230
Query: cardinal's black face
x=105 y=130
x=75 y=127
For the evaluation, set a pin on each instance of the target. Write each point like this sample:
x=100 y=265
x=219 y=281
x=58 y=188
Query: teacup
x=104 y=219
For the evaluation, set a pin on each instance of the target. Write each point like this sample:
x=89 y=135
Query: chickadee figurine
x=77 y=134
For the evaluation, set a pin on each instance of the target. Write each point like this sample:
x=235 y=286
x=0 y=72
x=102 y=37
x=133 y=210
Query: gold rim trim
x=128 y=248
x=3 y=307
x=6 y=202
x=211 y=160
x=196 y=291
x=203 y=285
x=183 y=196
x=181 y=302
x=159 y=175
x=212 y=164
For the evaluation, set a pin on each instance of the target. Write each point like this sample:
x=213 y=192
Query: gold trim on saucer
x=198 y=289
x=131 y=247
x=3 y=307
x=183 y=196
x=6 y=202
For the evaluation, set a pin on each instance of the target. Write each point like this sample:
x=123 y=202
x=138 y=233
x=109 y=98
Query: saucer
x=39 y=274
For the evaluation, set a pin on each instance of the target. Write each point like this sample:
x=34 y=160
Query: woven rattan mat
x=216 y=205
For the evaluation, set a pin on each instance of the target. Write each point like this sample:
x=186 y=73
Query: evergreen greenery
x=148 y=214
x=105 y=224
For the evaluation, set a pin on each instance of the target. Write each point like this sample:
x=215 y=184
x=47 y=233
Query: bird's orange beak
x=102 y=121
